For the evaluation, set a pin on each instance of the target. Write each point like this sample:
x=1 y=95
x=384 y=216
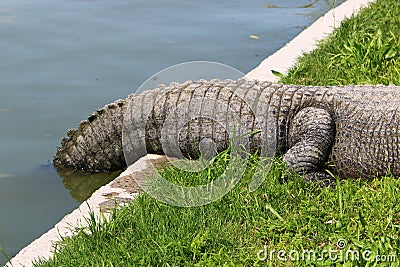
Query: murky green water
x=62 y=59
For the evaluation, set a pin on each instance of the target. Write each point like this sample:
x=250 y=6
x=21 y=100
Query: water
x=60 y=60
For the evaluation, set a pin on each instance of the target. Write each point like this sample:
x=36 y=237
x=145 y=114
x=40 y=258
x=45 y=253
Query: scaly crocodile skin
x=355 y=128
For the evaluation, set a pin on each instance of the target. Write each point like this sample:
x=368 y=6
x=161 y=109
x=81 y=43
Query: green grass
x=365 y=49
x=284 y=213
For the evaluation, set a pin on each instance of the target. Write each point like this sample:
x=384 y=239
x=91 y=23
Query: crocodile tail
x=172 y=119
x=96 y=144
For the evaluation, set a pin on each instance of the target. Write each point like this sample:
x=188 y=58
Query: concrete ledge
x=121 y=190
x=306 y=41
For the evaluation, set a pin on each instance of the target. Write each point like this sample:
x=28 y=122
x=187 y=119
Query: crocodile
x=351 y=131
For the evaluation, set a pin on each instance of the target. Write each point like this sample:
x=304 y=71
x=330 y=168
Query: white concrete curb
x=281 y=61
x=306 y=41
x=44 y=245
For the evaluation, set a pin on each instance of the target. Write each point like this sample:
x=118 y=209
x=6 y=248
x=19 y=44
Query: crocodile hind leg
x=310 y=138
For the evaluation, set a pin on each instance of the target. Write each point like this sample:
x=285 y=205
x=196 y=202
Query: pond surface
x=62 y=59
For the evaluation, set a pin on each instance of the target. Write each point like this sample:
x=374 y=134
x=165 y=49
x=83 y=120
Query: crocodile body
x=354 y=128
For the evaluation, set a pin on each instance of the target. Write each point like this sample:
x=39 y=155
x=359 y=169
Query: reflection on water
x=317 y=5
x=6 y=16
x=82 y=185
x=309 y=5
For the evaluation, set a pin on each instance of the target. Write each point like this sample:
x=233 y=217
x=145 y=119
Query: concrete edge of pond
x=123 y=188
x=119 y=191
x=306 y=41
